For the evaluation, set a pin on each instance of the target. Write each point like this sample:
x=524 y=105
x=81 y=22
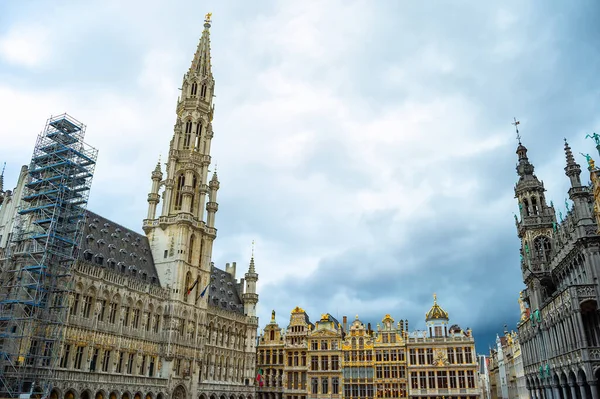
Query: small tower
x=153 y=197
x=535 y=229
x=250 y=297
x=437 y=320
x=579 y=194
x=212 y=206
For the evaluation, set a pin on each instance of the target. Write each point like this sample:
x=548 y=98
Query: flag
x=259 y=378
x=192 y=287
x=203 y=291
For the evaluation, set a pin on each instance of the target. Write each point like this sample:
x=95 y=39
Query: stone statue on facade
x=522 y=306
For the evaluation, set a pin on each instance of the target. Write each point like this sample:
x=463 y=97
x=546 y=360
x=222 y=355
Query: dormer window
x=92 y=226
x=122 y=251
x=96 y=220
x=87 y=255
x=90 y=237
x=117 y=230
x=112 y=246
x=100 y=259
x=101 y=242
x=106 y=225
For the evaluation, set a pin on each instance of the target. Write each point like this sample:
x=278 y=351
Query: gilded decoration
x=441 y=358
x=436 y=312
x=297 y=310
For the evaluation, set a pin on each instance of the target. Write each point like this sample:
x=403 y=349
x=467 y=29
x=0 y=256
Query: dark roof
x=108 y=244
x=223 y=291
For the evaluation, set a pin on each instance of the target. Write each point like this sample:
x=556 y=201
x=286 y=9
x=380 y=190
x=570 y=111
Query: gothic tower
x=182 y=236
x=536 y=229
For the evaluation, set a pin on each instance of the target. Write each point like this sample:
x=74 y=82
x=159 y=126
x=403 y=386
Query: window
x=451 y=356
x=468 y=355
x=87 y=306
x=452 y=379
x=94 y=359
x=112 y=314
x=422 y=356
x=194 y=89
x=203 y=91
x=78 y=357
x=130 y=364
x=442 y=380
x=143 y=366
x=325 y=385
x=461 y=379
x=64 y=362
x=438 y=331
x=324 y=345
x=136 y=318
x=414 y=381
x=198 y=135
x=188 y=135
x=191 y=250
x=413 y=356
x=106 y=361
x=120 y=362
x=179 y=192
x=324 y=363
x=431 y=375
x=335 y=362
x=422 y=380
x=335 y=385
x=314 y=363
x=429 y=356
x=126 y=316
x=75 y=305
x=102 y=309
x=470 y=379
x=315 y=385
x=459 y=356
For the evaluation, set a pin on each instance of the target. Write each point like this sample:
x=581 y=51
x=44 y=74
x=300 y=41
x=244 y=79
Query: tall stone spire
x=182 y=232
x=2 y=178
x=572 y=170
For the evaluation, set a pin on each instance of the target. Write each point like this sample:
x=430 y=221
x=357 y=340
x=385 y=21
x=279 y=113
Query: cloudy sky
x=366 y=146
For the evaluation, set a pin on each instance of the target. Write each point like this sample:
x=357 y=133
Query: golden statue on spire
x=207 y=17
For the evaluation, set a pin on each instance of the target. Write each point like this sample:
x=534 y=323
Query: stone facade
x=506 y=368
x=559 y=330
x=151 y=316
x=329 y=359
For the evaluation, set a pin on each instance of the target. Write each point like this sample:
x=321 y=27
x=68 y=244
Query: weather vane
x=207 y=17
x=253 y=248
x=516 y=124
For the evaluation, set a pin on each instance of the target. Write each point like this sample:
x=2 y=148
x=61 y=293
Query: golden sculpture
x=207 y=17
x=522 y=307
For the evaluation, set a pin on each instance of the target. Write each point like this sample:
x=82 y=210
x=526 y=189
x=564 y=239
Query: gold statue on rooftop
x=207 y=17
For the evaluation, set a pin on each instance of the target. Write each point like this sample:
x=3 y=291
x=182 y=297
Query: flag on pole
x=203 y=291
x=192 y=287
x=259 y=378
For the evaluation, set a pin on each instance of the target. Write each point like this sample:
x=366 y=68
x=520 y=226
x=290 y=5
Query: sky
x=366 y=147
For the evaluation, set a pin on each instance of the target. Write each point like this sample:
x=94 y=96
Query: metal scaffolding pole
x=36 y=280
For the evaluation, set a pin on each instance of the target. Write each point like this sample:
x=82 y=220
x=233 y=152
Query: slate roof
x=223 y=291
x=108 y=244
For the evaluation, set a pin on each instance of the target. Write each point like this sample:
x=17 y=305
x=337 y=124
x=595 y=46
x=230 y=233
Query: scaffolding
x=37 y=279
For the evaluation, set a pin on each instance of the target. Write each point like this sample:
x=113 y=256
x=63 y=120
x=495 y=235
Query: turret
x=212 y=206
x=153 y=197
x=437 y=320
x=250 y=297
x=579 y=194
x=536 y=228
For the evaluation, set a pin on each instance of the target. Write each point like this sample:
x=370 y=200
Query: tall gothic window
x=526 y=206
x=534 y=205
x=542 y=248
x=179 y=192
x=188 y=135
x=203 y=91
x=198 y=135
x=194 y=89
x=194 y=186
x=191 y=248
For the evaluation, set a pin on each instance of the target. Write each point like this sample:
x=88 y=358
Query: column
x=573 y=390
x=565 y=391
x=556 y=391
x=594 y=389
x=582 y=390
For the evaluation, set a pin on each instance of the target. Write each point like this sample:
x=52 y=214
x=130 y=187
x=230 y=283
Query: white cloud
x=26 y=46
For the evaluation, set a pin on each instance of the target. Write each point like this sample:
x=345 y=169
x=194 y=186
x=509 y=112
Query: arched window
x=315 y=385
x=203 y=91
x=526 y=206
x=542 y=248
x=194 y=89
x=179 y=192
x=325 y=385
x=191 y=248
x=534 y=206
x=194 y=184
x=198 y=135
x=188 y=135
